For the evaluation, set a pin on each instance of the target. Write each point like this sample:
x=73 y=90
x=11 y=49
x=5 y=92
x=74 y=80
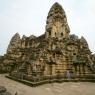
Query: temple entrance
x=79 y=69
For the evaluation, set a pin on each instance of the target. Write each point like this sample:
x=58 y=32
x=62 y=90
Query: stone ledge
x=34 y=84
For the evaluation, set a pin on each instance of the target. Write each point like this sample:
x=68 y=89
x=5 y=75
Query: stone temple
x=54 y=56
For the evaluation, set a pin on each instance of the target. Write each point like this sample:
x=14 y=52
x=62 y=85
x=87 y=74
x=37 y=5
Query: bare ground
x=66 y=88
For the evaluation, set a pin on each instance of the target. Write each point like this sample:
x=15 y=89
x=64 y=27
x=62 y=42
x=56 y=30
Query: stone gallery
x=54 y=56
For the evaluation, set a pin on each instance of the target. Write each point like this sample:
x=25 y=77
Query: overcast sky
x=29 y=17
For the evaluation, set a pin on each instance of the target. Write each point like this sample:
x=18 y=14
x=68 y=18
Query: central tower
x=56 y=25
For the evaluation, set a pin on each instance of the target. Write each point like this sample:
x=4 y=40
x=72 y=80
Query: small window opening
x=61 y=34
x=55 y=34
x=74 y=53
x=49 y=32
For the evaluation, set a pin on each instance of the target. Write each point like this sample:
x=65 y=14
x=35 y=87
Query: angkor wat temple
x=54 y=56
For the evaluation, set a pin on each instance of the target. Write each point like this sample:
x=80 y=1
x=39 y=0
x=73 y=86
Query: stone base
x=50 y=80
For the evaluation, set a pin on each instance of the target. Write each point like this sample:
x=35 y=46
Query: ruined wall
x=54 y=53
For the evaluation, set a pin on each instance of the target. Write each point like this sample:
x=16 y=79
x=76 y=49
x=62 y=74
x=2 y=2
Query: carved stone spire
x=14 y=43
x=56 y=25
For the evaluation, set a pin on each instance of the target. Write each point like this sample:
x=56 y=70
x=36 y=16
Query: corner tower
x=56 y=25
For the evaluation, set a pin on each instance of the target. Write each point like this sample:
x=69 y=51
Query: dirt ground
x=66 y=88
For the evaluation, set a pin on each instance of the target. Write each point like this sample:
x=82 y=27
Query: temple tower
x=56 y=25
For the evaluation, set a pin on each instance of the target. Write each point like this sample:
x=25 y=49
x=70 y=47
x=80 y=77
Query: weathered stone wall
x=51 y=54
x=57 y=25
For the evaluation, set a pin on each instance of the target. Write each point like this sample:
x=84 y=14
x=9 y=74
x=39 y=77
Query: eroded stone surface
x=3 y=91
x=53 y=55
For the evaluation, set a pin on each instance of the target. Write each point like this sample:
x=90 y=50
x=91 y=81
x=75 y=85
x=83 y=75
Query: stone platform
x=35 y=82
x=66 y=88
